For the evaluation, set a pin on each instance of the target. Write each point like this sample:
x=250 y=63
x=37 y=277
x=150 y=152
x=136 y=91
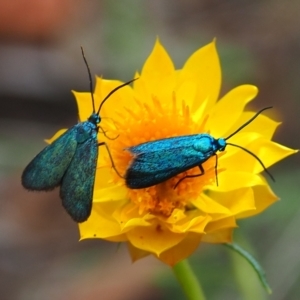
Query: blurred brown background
x=40 y=62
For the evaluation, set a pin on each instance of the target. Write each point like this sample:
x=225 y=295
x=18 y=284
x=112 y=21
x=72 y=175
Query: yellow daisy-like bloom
x=164 y=102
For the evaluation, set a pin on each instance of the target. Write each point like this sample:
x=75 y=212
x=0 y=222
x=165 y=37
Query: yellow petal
x=105 y=188
x=124 y=97
x=229 y=181
x=106 y=175
x=269 y=152
x=157 y=66
x=134 y=222
x=85 y=105
x=262 y=124
x=119 y=238
x=158 y=77
x=120 y=98
x=203 y=67
x=182 y=250
x=228 y=110
x=237 y=201
x=141 y=89
x=219 y=237
x=136 y=253
x=264 y=197
x=115 y=192
x=228 y=222
x=155 y=239
x=194 y=222
x=187 y=92
x=129 y=217
x=101 y=224
x=177 y=215
x=210 y=206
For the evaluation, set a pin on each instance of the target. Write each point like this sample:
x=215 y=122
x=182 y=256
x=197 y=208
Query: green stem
x=188 y=281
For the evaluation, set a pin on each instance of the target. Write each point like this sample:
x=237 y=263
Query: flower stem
x=188 y=281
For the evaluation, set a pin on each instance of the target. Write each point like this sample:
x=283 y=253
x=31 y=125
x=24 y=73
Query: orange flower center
x=148 y=123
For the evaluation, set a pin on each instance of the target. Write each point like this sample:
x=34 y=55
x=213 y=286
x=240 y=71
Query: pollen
x=153 y=121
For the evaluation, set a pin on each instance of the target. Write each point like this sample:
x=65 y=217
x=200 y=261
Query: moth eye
x=221 y=144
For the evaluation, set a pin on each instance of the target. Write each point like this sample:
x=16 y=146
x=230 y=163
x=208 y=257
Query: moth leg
x=190 y=176
x=216 y=169
x=104 y=132
x=111 y=159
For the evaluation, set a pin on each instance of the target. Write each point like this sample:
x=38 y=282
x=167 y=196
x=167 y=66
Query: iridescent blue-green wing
x=148 y=169
x=77 y=186
x=164 y=144
x=47 y=169
x=160 y=160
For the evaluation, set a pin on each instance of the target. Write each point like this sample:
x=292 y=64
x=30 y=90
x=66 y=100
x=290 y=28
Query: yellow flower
x=164 y=102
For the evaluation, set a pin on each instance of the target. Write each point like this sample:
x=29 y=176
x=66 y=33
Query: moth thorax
x=94 y=118
x=204 y=144
x=85 y=132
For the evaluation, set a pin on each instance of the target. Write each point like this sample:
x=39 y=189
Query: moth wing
x=150 y=168
x=47 y=169
x=163 y=144
x=77 y=185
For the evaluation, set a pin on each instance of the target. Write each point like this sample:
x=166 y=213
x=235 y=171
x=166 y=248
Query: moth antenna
x=255 y=156
x=248 y=122
x=90 y=78
x=114 y=90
